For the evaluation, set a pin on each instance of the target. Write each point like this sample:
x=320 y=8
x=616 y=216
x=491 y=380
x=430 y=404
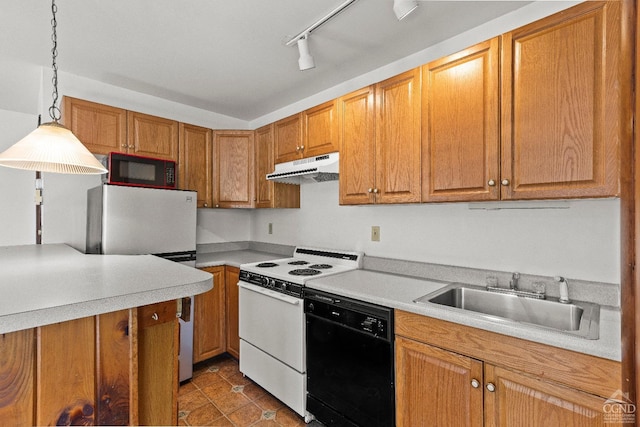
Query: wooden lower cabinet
x=454 y=375
x=112 y=369
x=232 y=276
x=215 y=327
x=209 y=326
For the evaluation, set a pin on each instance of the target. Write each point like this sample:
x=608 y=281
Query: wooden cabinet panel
x=460 y=130
x=66 y=364
x=561 y=105
x=114 y=356
x=356 y=131
x=288 y=138
x=271 y=194
x=398 y=178
x=519 y=400
x=233 y=169
x=232 y=276
x=320 y=126
x=152 y=136
x=17 y=378
x=158 y=346
x=196 y=156
x=101 y=128
x=209 y=327
x=434 y=387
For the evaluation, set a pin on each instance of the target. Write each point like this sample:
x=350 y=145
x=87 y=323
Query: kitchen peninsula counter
x=45 y=284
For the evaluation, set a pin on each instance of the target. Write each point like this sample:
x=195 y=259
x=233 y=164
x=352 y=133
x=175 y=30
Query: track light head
x=305 y=62
x=402 y=8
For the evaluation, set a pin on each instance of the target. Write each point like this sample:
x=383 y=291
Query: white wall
x=578 y=238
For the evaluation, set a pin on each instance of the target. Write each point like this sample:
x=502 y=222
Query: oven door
x=274 y=323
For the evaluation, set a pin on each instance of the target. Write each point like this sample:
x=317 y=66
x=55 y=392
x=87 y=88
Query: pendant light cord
x=54 y=111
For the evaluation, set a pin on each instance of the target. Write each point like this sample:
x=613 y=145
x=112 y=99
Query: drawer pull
x=154 y=316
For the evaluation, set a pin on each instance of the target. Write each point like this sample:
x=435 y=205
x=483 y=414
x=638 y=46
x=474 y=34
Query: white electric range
x=272 y=325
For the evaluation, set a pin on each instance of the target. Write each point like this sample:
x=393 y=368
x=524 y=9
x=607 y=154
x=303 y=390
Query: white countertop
x=399 y=292
x=234 y=258
x=44 y=284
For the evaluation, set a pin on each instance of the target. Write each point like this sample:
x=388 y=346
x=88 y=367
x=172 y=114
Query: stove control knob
x=265 y=282
x=310 y=307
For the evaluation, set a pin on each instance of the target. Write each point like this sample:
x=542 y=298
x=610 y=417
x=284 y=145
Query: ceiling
x=229 y=56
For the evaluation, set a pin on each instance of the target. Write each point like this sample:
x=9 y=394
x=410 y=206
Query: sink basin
x=577 y=318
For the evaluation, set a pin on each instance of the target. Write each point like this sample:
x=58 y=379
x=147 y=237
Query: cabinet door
x=66 y=366
x=158 y=347
x=288 y=138
x=17 y=376
x=460 y=131
x=398 y=176
x=196 y=155
x=152 y=136
x=233 y=169
x=561 y=105
x=435 y=387
x=519 y=400
x=320 y=127
x=232 y=276
x=271 y=194
x=264 y=165
x=209 y=319
x=101 y=128
x=356 y=132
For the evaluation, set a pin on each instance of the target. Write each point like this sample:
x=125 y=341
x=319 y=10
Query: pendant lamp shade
x=51 y=148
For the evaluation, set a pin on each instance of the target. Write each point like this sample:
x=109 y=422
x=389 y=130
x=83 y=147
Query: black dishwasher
x=350 y=370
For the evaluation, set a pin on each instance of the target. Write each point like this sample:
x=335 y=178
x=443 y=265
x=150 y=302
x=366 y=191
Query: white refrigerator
x=123 y=220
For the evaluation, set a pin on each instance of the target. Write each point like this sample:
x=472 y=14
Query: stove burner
x=304 y=272
x=267 y=264
x=321 y=266
x=300 y=262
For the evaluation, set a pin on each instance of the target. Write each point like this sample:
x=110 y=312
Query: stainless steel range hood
x=311 y=169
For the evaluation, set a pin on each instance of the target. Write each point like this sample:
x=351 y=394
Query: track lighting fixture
x=402 y=8
x=305 y=62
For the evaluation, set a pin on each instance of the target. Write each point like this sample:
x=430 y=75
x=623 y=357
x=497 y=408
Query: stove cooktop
x=306 y=263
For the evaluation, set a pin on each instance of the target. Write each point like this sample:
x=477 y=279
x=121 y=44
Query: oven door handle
x=269 y=293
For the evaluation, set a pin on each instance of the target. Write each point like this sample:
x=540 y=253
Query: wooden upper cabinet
x=196 y=156
x=288 y=138
x=101 y=128
x=271 y=194
x=561 y=104
x=460 y=125
x=233 y=169
x=398 y=176
x=152 y=136
x=356 y=130
x=320 y=129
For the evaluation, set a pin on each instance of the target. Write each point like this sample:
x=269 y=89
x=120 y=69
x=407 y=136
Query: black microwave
x=140 y=171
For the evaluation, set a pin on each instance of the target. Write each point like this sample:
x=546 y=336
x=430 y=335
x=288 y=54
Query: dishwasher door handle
x=269 y=293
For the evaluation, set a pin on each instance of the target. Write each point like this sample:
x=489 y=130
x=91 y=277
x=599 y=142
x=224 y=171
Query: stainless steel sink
x=577 y=318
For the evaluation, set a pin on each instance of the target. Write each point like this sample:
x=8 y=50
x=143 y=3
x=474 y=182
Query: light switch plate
x=375 y=233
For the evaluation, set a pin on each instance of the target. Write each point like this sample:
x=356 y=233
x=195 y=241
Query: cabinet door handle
x=491 y=387
x=205 y=205
x=492 y=183
x=370 y=190
x=375 y=191
x=301 y=147
x=154 y=316
x=124 y=145
x=475 y=383
x=505 y=182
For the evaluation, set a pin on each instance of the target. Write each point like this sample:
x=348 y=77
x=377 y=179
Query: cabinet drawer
x=156 y=314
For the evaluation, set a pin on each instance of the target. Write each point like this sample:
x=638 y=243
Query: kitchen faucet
x=513 y=283
x=564 y=290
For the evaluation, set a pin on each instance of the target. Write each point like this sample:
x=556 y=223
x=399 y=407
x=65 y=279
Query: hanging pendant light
x=52 y=147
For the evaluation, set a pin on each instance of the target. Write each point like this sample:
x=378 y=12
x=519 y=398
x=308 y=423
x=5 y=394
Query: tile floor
x=219 y=395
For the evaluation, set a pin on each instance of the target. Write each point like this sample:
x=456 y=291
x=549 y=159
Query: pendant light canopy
x=52 y=147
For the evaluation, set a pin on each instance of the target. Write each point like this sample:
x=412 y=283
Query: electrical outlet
x=375 y=233
x=270 y=228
